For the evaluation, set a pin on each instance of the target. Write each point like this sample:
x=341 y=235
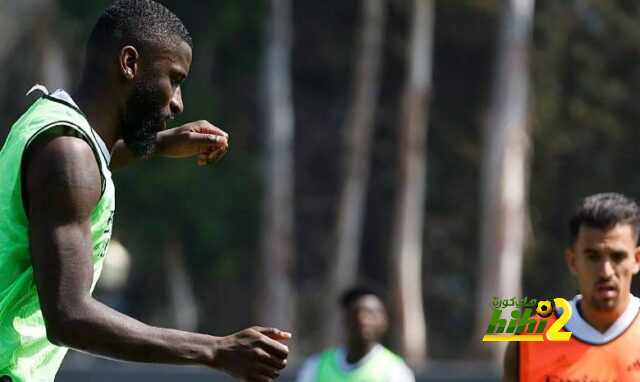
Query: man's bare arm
x=511 y=363
x=200 y=138
x=62 y=187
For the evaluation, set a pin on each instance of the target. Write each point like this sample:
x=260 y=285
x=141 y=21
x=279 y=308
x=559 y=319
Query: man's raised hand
x=196 y=138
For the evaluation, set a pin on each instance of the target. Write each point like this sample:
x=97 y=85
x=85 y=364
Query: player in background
x=604 y=256
x=362 y=358
x=57 y=203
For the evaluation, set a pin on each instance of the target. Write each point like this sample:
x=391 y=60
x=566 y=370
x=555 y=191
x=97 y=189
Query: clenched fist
x=252 y=355
x=196 y=138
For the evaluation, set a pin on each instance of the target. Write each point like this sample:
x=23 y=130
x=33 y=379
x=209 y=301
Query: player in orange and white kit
x=605 y=340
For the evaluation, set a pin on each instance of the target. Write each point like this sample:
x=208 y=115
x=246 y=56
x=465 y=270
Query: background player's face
x=605 y=261
x=155 y=99
x=366 y=320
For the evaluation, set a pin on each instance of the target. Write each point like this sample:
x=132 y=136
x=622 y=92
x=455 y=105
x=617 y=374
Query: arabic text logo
x=526 y=325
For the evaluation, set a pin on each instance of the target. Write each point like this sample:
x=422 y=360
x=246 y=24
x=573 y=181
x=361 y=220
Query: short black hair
x=136 y=22
x=350 y=295
x=604 y=211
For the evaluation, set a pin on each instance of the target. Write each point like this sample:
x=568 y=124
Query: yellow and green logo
x=522 y=326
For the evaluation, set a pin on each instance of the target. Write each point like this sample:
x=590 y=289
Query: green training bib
x=375 y=369
x=25 y=353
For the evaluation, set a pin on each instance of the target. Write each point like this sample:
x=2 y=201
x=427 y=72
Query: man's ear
x=128 y=62
x=636 y=264
x=570 y=257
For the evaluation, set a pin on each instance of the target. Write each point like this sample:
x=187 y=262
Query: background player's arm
x=196 y=138
x=511 y=363
x=63 y=185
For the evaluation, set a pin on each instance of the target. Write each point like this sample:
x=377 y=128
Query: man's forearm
x=97 y=329
x=197 y=138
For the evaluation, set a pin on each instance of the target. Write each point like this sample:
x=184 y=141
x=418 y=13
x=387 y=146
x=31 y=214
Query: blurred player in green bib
x=57 y=202
x=362 y=358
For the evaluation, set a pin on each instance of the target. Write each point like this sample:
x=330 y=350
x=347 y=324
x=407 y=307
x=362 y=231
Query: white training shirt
x=582 y=330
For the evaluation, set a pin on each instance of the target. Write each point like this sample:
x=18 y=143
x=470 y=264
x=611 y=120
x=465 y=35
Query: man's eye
x=177 y=81
x=592 y=256
x=619 y=256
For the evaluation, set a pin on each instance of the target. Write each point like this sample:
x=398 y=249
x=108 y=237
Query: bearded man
x=57 y=203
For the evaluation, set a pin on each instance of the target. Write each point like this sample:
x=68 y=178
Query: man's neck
x=355 y=352
x=601 y=320
x=100 y=109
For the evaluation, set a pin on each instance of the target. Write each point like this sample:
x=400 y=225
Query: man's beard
x=142 y=120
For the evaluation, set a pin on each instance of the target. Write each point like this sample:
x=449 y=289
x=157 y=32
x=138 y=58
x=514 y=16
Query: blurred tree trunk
x=179 y=284
x=54 y=72
x=408 y=220
x=14 y=17
x=504 y=171
x=275 y=303
x=358 y=132
x=17 y=18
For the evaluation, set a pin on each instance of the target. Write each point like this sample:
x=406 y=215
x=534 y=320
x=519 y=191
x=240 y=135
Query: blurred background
x=434 y=147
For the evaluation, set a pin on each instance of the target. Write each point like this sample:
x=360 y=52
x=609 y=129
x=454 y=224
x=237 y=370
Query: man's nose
x=175 y=103
x=606 y=269
x=363 y=317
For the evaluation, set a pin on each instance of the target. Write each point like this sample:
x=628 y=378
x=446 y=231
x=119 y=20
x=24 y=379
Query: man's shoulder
x=63 y=148
x=65 y=169
x=308 y=370
x=314 y=357
x=325 y=353
x=399 y=371
x=391 y=355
